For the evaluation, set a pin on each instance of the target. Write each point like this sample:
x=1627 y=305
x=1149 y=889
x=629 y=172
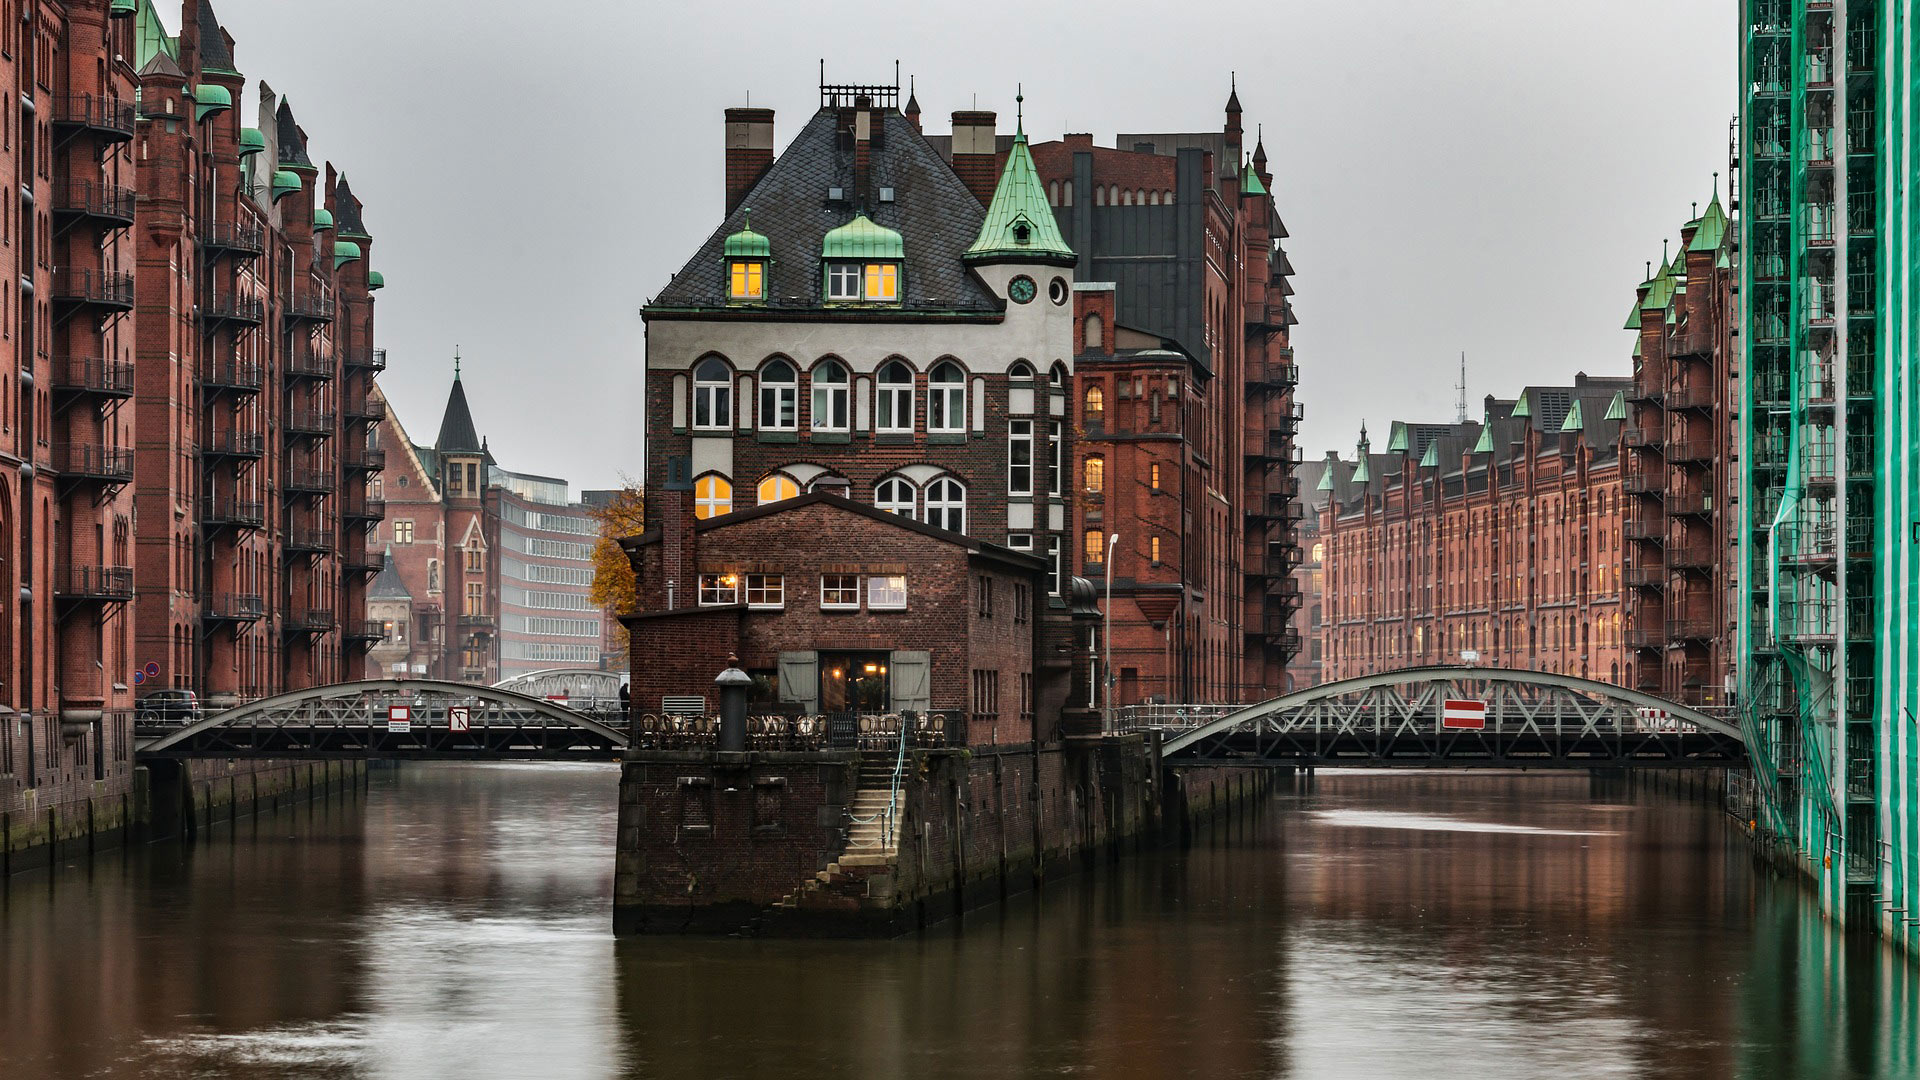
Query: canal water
x=452 y=921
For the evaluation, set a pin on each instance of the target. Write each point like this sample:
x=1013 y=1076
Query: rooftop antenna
x=1460 y=391
x=456 y=363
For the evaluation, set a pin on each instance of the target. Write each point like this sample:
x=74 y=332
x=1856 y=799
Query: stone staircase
x=869 y=854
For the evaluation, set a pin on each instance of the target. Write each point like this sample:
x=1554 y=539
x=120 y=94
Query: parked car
x=168 y=707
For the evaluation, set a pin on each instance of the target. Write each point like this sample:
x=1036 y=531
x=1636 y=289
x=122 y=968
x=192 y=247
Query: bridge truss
x=1533 y=719
x=357 y=720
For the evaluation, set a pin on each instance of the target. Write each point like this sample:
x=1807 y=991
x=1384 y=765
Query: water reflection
x=452 y=922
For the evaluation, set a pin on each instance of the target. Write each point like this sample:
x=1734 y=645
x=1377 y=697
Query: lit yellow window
x=1153 y=548
x=749 y=282
x=883 y=281
x=1096 y=475
x=712 y=497
x=777 y=487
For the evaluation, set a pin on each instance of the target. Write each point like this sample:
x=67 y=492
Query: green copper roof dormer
x=209 y=99
x=251 y=141
x=1725 y=261
x=1326 y=474
x=1617 y=408
x=1636 y=348
x=376 y=281
x=1020 y=225
x=344 y=252
x=1485 y=445
x=150 y=37
x=1250 y=182
x=1397 y=438
x=1431 y=459
x=1713 y=228
x=747 y=244
x=861 y=238
x=1521 y=408
x=121 y=9
x=1361 y=474
x=1633 y=317
x=1659 y=291
x=322 y=218
x=1574 y=421
x=285 y=183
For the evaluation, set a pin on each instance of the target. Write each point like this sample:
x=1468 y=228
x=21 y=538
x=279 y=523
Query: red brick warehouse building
x=189 y=320
x=1497 y=542
x=1185 y=378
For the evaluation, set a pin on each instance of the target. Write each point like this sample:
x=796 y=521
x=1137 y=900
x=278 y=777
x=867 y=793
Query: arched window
x=712 y=497
x=1096 y=401
x=896 y=397
x=1126 y=198
x=712 y=394
x=1095 y=471
x=779 y=397
x=1053 y=193
x=830 y=397
x=1066 y=193
x=1113 y=194
x=894 y=495
x=777 y=487
x=1058 y=375
x=946 y=398
x=1139 y=197
x=1020 y=369
x=1092 y=334
x=1099 y=195
x=947 y=504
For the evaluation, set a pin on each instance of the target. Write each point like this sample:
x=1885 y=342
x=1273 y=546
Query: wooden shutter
x=800 y=679
x=909 y=681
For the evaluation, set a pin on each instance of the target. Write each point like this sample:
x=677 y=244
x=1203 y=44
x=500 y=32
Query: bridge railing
x=1167 y=717
x=872 y=733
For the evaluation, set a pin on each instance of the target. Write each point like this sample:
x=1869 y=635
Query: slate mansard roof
x=935 y=214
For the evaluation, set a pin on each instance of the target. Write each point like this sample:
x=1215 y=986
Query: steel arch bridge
x=353 y=720
x=1533 y=719
x=587 y=690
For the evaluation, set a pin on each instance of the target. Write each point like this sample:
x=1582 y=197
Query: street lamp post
x=1106 y=633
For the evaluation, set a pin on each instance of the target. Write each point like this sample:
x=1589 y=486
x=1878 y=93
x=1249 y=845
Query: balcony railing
x=94 y=199
x=369 y=411
x=1639 y=482
x=309 y=540
x=307 y=362
x=87 y=287
x=1694 y=503
x=1690 y=629
x=1642 y=637
x=237 y=376
x=94 y=583
x=370 y=359
x=1641 y=438
x=305 y=481
x=1690 y=397
x=1690 y=450
x=361 y=508
x=234 y=607
x=311 y=621
x=108 y=116
x=477 y=621
x=232 y=307
x=366 y=633
x=1690 y=556
x=309 y=423
x=241 y=236
x=1652 y=529
x=1644 y=577
x=219 y=512
x=234 y=444
x=91 y=461
x=309 y=305
x=364 y=563
x=93 y=375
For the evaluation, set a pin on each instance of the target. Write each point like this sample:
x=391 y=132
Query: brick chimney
x=749 y=151
x=974 y=153
x=864 y=122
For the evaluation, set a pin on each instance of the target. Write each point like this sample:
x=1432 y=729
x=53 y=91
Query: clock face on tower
x=1021 y=289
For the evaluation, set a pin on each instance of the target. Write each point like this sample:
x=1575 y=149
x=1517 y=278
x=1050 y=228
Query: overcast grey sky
x=1483 y=175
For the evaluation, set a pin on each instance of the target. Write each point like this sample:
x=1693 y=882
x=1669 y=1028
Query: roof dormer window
x=862 y=263
x=747 y=254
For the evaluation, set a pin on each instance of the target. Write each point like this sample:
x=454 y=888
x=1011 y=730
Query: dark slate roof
x=293 y=146
x=387 y=584
x=457 y=434
x=214 y=53
x=935 y=214
x=162 y=64
x=346 y=210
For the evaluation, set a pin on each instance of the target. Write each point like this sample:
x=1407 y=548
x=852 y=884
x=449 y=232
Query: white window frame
x=1019 y=476
x=894 y=410
x=840 y=605
x=886 y=592
x=1053 y=458
x=845 y=280
x=712 y=398
x=946 y=504
x=1055 y=583
x=715 y=590
x=779 y=397
x=834 y=396
x=887 y=497
x=770 y=590
x=403 y=531
x=947 y=398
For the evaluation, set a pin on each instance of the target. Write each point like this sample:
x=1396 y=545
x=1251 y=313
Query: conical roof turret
x=457 y=434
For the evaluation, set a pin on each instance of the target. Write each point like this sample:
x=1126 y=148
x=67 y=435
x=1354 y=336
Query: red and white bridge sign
x=1460 y=714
